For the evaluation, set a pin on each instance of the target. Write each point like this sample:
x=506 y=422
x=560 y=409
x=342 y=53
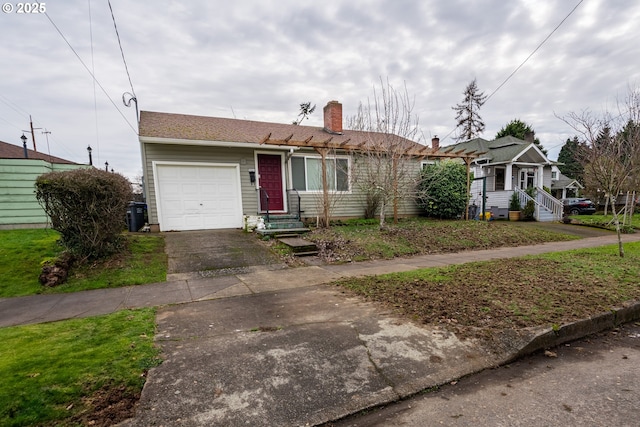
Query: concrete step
x=546 y=217
x=283 y=225
x=282 y=231
x=281 y=217
x=299 y=247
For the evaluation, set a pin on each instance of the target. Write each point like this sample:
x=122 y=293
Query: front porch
x=547 y=207
x=287 y=221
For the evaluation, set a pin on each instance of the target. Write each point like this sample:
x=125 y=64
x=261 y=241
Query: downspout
x=484 y=197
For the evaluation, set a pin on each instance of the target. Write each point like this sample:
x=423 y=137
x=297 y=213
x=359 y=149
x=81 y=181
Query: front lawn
x=76 y=372
x=605 y=220
x=549 y=289
x=363 y=240
x=22 y=253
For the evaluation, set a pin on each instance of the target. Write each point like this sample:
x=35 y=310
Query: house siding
x=546 y=177
x=19 y=207
x=350 y=204
x=200 y=154
x=344 y=205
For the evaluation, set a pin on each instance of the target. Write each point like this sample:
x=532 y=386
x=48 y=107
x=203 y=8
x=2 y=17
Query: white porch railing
x=544 y=201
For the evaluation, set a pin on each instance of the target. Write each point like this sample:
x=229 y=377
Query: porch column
x=508 y=181
x=540 y=176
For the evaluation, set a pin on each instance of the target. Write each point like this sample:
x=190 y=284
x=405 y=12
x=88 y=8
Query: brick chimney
x=435 y=143
x=333 y=117
x=530 y=136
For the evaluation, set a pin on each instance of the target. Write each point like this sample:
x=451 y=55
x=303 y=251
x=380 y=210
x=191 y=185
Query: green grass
x=146 y=262
x=47 y=369
x=604 y=220
x=22 y=253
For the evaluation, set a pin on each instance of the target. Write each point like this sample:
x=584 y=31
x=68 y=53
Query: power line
x=121 y=51
x=534 y=51
x=93 y=69
x=526 y=59
x=13 y=106
x=10 y=124
x=89 y=71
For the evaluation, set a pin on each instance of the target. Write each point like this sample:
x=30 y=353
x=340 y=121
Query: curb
x=552 y=337
x=545 y=338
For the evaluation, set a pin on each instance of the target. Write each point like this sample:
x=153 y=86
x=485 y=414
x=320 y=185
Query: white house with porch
x=510 y=164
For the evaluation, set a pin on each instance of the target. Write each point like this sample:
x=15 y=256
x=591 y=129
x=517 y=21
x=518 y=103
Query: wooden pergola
x=340 y=142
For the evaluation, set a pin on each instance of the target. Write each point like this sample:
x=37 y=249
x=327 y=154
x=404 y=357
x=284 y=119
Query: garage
x=198 y=196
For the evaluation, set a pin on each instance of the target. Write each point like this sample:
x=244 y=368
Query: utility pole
x=33 y=134
x=46 y=134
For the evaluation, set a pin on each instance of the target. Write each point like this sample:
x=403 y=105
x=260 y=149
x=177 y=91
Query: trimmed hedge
x=88 y=208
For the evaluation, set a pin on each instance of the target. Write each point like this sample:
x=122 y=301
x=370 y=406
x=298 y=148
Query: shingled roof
x=202 y=128
x=501 y=150
x=10 y=151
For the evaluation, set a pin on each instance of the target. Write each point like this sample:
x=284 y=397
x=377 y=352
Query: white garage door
x=198 y=197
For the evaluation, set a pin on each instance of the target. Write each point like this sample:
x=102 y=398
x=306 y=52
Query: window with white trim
x=425 y=163
x=554 y=175
x=306 y=173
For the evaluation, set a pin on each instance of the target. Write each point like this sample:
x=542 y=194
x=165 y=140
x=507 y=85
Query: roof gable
x=564 y=181
x=507 y=149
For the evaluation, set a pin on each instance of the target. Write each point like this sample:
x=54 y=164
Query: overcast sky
x=259 y=60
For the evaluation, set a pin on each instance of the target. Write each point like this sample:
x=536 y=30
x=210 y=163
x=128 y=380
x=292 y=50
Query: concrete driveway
x=210 y=253
x=299 y=357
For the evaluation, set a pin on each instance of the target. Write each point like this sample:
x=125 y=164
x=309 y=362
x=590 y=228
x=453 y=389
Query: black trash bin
x=135 y=215
x=473 y=211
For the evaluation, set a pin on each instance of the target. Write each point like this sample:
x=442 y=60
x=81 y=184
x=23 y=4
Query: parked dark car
x=578 y=206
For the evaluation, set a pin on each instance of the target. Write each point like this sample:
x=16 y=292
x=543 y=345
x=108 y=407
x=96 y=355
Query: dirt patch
x=56 y=273
x=509 y=294
x=420 y=237
x=107 y=406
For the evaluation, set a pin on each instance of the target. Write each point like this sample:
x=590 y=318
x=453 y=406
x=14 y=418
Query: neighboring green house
x=18 y=172
x=508 y=165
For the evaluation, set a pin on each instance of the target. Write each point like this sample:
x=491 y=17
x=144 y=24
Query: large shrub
x=442 y=190
x=87 y=207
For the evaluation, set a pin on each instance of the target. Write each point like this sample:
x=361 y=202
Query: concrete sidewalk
x=257 y=279
x=275 y=347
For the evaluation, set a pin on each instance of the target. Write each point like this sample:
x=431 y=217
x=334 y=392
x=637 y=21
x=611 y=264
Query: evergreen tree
x=468 y=120
x=568 y=155
x=519 y=129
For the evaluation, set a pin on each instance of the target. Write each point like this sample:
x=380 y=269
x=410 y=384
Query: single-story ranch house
x=211 y=172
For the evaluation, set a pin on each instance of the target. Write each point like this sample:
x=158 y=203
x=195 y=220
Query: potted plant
x=514 y=207
x=529 y=210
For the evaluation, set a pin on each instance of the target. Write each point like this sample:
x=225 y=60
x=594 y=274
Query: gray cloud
x=259 y=60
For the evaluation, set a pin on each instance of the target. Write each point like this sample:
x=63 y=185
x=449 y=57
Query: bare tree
x=610 y=152
x=328 y=183
x=383 y=172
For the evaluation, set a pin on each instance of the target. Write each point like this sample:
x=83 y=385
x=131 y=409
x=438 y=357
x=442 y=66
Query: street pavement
x=589 y=382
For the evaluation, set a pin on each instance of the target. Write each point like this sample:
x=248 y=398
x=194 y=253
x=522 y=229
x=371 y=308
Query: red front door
x=270 y=173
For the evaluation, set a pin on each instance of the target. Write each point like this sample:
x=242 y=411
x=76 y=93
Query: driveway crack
x=373 y=363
